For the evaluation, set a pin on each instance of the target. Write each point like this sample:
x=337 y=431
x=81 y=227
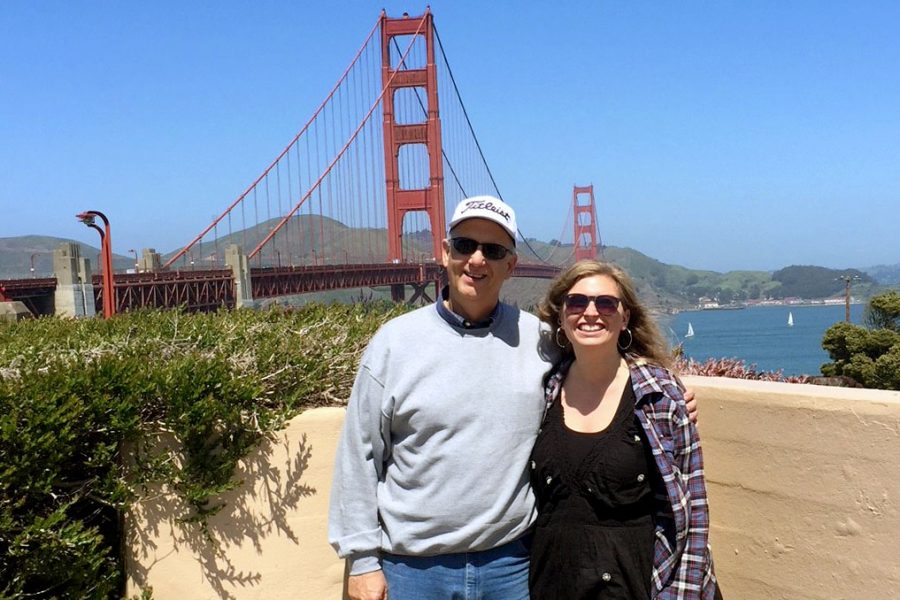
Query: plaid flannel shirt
x=682 y=562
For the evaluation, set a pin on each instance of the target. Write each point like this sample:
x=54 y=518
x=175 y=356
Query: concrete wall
x=74 y=295
x=272 y=538
x=804 y=486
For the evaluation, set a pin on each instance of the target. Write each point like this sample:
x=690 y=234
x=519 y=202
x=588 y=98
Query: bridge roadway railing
x=536 y=271
x=19 y=289
x=195 y=290
x=34 y=293
x=270 y=282
x=209 y=289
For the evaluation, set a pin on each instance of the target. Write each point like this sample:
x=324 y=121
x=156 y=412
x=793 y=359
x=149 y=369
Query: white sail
x=690 y=331
x=790 y=319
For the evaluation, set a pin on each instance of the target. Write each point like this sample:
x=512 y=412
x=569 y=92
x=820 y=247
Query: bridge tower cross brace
x=585 y=222
x=431 y=198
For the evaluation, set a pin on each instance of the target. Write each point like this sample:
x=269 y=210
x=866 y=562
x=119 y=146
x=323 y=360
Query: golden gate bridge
x=358 y=198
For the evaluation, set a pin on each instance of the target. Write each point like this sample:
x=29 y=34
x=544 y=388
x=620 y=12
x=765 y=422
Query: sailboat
x=690 y=331
x=790 y=319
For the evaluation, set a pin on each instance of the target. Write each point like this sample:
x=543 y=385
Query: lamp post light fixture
x=32 y=264
x=88 y=218
x=136 y=263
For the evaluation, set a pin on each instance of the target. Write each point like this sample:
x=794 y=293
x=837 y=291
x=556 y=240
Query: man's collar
x=456 y=320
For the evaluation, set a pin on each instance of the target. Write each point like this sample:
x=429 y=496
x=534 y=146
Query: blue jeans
x=497 y=574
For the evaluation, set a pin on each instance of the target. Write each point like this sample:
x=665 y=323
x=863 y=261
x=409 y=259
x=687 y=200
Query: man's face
x=475 y=281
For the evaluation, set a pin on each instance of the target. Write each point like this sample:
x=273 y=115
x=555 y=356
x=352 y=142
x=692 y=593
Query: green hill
x=16 y=256
x=299 y=242
x=817 y=282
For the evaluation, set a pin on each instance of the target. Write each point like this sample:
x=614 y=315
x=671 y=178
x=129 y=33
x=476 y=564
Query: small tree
x=883 y=311
x=870 y=355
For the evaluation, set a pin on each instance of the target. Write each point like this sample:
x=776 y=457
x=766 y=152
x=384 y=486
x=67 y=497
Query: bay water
x=760 y=335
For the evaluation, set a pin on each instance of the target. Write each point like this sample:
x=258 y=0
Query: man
x=430 y=496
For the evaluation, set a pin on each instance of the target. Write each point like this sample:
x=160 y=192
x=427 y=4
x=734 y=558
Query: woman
x=617 y=468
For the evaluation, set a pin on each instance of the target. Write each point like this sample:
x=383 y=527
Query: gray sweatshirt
x=435 y=446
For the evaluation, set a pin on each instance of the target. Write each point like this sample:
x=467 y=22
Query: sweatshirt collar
x=458 y=321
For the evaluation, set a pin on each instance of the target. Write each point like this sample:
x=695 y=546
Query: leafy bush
x=733 y=368
x=871 y=355
x=883 y=311
x=74 y=394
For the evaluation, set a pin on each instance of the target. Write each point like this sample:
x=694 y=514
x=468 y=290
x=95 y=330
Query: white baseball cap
x=486 y=207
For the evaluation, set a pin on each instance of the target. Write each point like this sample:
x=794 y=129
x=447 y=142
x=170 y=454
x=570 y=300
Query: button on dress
x=594 y=536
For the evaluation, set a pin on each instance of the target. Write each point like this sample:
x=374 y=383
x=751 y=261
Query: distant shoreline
x=767 y=303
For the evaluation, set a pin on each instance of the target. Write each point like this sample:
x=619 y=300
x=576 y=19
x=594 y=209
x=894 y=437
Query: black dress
x=594 y=536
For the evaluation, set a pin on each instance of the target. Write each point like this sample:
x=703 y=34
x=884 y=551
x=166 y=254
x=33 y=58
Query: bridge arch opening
x=410 y=106
x=418 y=237
x=415 y=59
x=413 y=162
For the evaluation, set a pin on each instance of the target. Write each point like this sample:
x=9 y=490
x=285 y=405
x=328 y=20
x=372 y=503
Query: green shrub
x=883 y=311
x=870 y=356
x=73 y=394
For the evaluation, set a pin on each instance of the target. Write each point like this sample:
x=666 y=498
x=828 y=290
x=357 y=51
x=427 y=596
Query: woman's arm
x=694 y=562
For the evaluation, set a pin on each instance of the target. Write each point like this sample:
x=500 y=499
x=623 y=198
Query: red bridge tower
x=585 y=221
x=429 y=199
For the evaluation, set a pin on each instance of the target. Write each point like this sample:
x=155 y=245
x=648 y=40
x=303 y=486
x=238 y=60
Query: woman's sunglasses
x=468 y=246
x=578 y=303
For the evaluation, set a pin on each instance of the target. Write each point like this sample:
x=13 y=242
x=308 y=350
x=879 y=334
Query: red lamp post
x=109 y=299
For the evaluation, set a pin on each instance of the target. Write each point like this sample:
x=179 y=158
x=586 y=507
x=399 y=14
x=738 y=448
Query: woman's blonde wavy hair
x=647 y=342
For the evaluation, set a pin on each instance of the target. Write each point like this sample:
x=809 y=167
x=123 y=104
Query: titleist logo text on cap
x=487 y=206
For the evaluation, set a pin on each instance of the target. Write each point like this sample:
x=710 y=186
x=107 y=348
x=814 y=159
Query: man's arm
x=691 y=403
x=689 y=400
x=354 y=530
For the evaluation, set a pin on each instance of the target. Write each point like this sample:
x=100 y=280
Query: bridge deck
x=209 y=289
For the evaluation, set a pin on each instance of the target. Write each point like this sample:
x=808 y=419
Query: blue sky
x=718 y=135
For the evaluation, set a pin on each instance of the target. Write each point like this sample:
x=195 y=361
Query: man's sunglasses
x=468 y=246
x=578 y=303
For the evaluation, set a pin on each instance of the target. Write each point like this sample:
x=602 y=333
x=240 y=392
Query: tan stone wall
x=272 y=536
x=804 y=486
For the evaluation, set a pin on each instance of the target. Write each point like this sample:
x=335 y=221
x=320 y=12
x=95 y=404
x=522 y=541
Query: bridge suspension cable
x=322 y=200
x=263 y=177
x=474 y=137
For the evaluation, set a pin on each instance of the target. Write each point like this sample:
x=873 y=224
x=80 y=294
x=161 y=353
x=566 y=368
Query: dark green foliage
x=883 y=311
x=87 y=409
x=870 y=356
x=813 y=282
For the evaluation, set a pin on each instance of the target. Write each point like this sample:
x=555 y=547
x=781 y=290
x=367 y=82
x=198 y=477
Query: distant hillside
x=885 y=274
x=298 y=242
x=662 y=286
x=665 y=286
x=16 y=254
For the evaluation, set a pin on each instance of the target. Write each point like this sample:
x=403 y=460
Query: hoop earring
x=630 y=340
x=565 y=341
